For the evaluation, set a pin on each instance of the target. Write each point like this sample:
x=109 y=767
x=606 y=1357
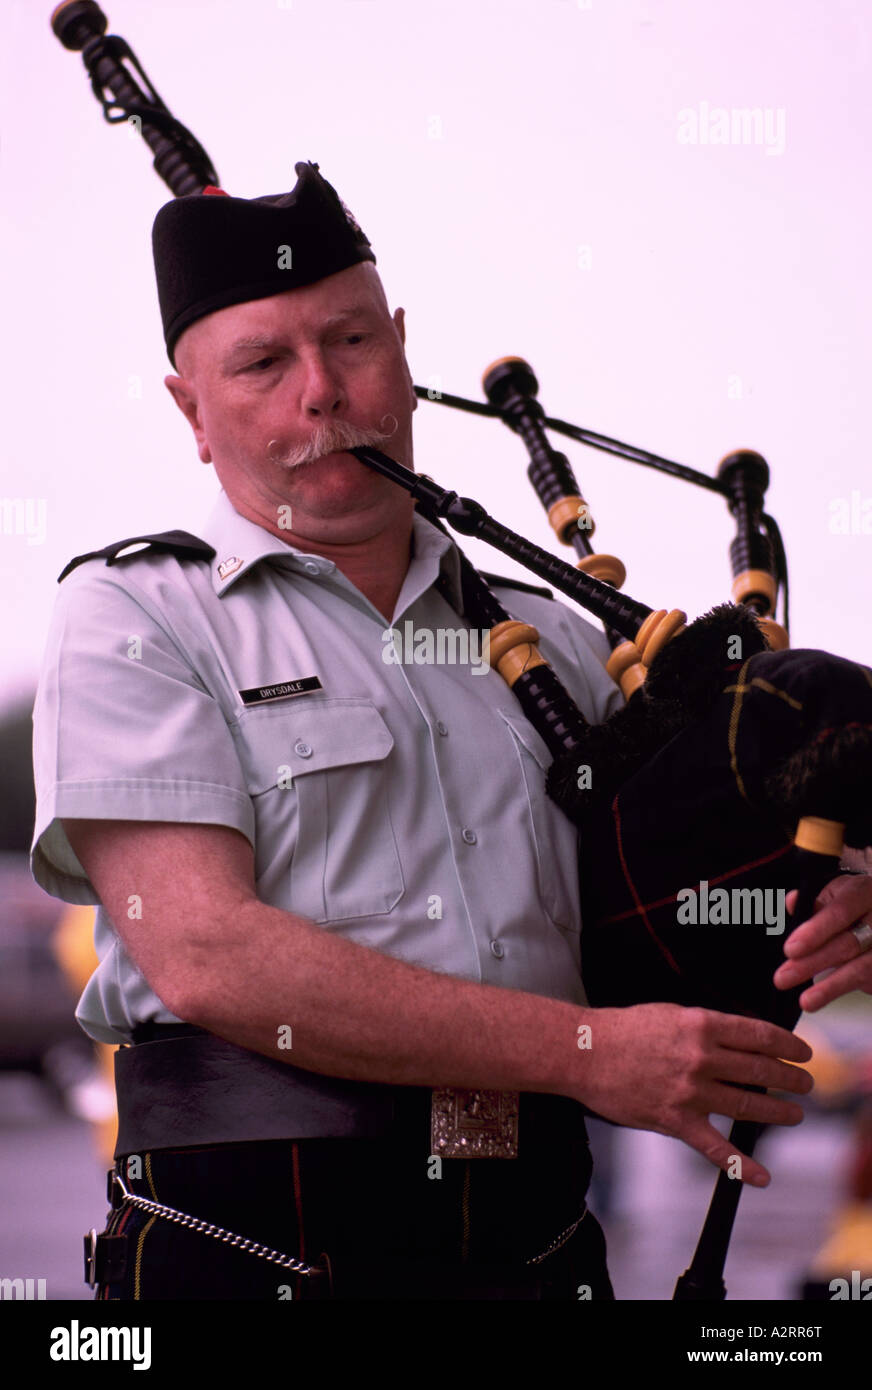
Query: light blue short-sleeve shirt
x=388 y=781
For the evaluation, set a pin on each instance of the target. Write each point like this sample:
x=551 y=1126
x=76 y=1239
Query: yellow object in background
x=73 y=945
x=833 y=1073
x=849 y=1243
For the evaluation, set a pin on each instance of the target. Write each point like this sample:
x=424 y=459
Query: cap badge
x=229 y=566
x=350 y=218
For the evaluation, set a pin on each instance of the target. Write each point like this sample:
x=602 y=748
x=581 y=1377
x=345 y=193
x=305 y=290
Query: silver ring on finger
x=863 y=933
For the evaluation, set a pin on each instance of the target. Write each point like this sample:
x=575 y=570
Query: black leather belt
x=180 y=1087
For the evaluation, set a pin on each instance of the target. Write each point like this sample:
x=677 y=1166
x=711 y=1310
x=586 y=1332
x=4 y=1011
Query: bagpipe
x=737 y=768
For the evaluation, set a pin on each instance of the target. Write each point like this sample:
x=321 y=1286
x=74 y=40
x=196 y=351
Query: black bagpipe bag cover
x=702 y=778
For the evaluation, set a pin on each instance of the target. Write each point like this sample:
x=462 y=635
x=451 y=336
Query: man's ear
x=399 y=317
x=185 y=398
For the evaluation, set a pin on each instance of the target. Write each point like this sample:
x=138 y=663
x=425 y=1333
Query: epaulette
x=515 y=584
x=189 y=547
x=180 y=543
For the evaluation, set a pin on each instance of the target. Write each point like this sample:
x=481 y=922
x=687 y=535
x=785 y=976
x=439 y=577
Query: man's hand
x=665 y=1068
x=826 y=942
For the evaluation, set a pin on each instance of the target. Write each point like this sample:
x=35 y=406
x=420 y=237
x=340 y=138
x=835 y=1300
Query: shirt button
x=441 y=728
x=311 y=568
x=302 y=748
x=469 y=836
x=497 y=949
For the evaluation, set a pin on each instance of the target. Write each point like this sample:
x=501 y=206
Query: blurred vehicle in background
x=38 y=1030
x=46 y=956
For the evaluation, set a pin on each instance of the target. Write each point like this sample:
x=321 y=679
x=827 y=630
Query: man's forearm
x=358 y=1013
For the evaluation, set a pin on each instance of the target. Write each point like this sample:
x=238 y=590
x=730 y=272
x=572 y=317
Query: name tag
x=284 y=690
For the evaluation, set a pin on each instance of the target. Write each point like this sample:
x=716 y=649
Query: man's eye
x=260 y=365
x=354 y=338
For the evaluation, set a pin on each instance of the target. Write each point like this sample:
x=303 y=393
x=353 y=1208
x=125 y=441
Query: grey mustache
x=329 y=438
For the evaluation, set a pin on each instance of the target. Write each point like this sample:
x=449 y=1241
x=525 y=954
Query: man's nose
x=323 y=394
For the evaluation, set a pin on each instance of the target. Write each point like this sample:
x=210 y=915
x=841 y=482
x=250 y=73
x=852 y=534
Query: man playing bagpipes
x=339 y=925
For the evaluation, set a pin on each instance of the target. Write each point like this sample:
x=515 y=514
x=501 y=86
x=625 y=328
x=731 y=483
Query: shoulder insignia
x=180 y=543
x=515 y=584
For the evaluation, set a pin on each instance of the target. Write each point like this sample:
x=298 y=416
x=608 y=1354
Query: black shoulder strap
x=180 y=543
x=515 y=584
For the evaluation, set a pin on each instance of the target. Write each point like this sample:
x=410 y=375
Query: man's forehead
x=256 y=323
x=271 y=323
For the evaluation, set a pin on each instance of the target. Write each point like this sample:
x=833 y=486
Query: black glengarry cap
x=212 y=251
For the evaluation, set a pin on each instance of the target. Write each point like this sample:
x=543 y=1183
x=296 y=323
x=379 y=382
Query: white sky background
x=480 y=143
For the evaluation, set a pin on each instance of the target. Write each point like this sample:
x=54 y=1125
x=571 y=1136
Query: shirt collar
x=240 y=544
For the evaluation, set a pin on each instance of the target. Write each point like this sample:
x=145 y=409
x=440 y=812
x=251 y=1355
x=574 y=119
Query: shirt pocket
x=555 y=838
x=332 y=758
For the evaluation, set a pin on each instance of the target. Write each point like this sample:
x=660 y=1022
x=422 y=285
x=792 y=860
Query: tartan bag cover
x=789 y=735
